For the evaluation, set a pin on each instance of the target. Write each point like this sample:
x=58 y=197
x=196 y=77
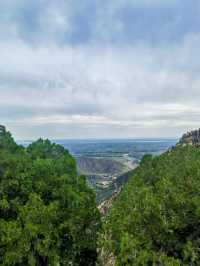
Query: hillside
x=91 y=165
x=155 y=218
x=48 y=214
x=104 y=175
x=107 y=196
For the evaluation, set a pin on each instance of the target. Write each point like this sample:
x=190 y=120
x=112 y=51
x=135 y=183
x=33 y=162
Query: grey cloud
x=52 y=81
x=138 y=83
x=118 y=21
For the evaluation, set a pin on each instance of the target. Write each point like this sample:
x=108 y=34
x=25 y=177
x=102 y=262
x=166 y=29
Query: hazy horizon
x=137 y=139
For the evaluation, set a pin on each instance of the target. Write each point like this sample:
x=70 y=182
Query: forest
x=48 y=215
x=156 y=218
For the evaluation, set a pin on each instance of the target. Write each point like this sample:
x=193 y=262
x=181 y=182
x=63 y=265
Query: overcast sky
x=99 y=68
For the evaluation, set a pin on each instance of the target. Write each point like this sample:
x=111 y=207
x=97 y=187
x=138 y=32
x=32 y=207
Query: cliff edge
x=191 y=138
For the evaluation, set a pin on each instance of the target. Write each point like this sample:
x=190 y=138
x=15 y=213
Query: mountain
x=92 y=166
x=105 y=176
x=48 y=214
x=154 y=220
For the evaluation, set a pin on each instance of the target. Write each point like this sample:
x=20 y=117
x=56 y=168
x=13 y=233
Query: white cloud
x=109 y=88
x=118 y=86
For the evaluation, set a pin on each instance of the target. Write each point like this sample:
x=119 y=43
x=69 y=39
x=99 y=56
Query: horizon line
x=97 y=138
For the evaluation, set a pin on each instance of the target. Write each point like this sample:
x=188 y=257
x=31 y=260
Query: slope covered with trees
x=156 y=218
x=48 y=214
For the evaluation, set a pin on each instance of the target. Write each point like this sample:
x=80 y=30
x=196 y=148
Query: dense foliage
x=156 y=219
x=48 y=215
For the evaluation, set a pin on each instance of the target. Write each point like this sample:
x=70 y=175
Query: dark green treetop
x=156 y=219
x=48 y=215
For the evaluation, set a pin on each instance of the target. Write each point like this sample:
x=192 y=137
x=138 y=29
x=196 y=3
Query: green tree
x=155 y=220
x=48 y=215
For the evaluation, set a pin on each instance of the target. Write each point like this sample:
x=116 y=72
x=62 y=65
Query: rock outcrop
x=191 y=138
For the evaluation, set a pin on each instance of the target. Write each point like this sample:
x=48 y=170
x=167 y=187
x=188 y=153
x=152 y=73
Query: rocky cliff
x=192 y=138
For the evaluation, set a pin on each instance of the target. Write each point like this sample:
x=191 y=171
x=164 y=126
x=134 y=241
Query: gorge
x=48 y=213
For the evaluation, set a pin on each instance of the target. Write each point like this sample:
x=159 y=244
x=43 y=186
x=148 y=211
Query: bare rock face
x=191 y=138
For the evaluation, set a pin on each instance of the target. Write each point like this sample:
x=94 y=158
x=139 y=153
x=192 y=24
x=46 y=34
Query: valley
x=106 y=163
x=152 y=210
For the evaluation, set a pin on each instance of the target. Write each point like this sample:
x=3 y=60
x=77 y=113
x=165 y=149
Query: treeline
x=48 y=214
x=156 y=218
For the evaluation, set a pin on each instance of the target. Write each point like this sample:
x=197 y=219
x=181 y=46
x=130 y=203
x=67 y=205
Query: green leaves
x=48 y=215
x=155 y=220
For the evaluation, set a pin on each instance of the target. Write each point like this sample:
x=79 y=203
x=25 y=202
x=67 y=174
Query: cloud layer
x=99 y=68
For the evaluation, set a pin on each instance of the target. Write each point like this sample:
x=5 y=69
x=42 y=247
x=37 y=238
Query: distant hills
x=91 y=166
x=104 y=175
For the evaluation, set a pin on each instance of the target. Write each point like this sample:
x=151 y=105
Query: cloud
x=87 y=71
x=118 y=21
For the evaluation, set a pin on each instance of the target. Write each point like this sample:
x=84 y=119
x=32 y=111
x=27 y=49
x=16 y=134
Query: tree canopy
x=156 y=219
x=48 y=214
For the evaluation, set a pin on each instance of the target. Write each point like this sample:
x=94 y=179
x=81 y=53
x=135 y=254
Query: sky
x=99 y=68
